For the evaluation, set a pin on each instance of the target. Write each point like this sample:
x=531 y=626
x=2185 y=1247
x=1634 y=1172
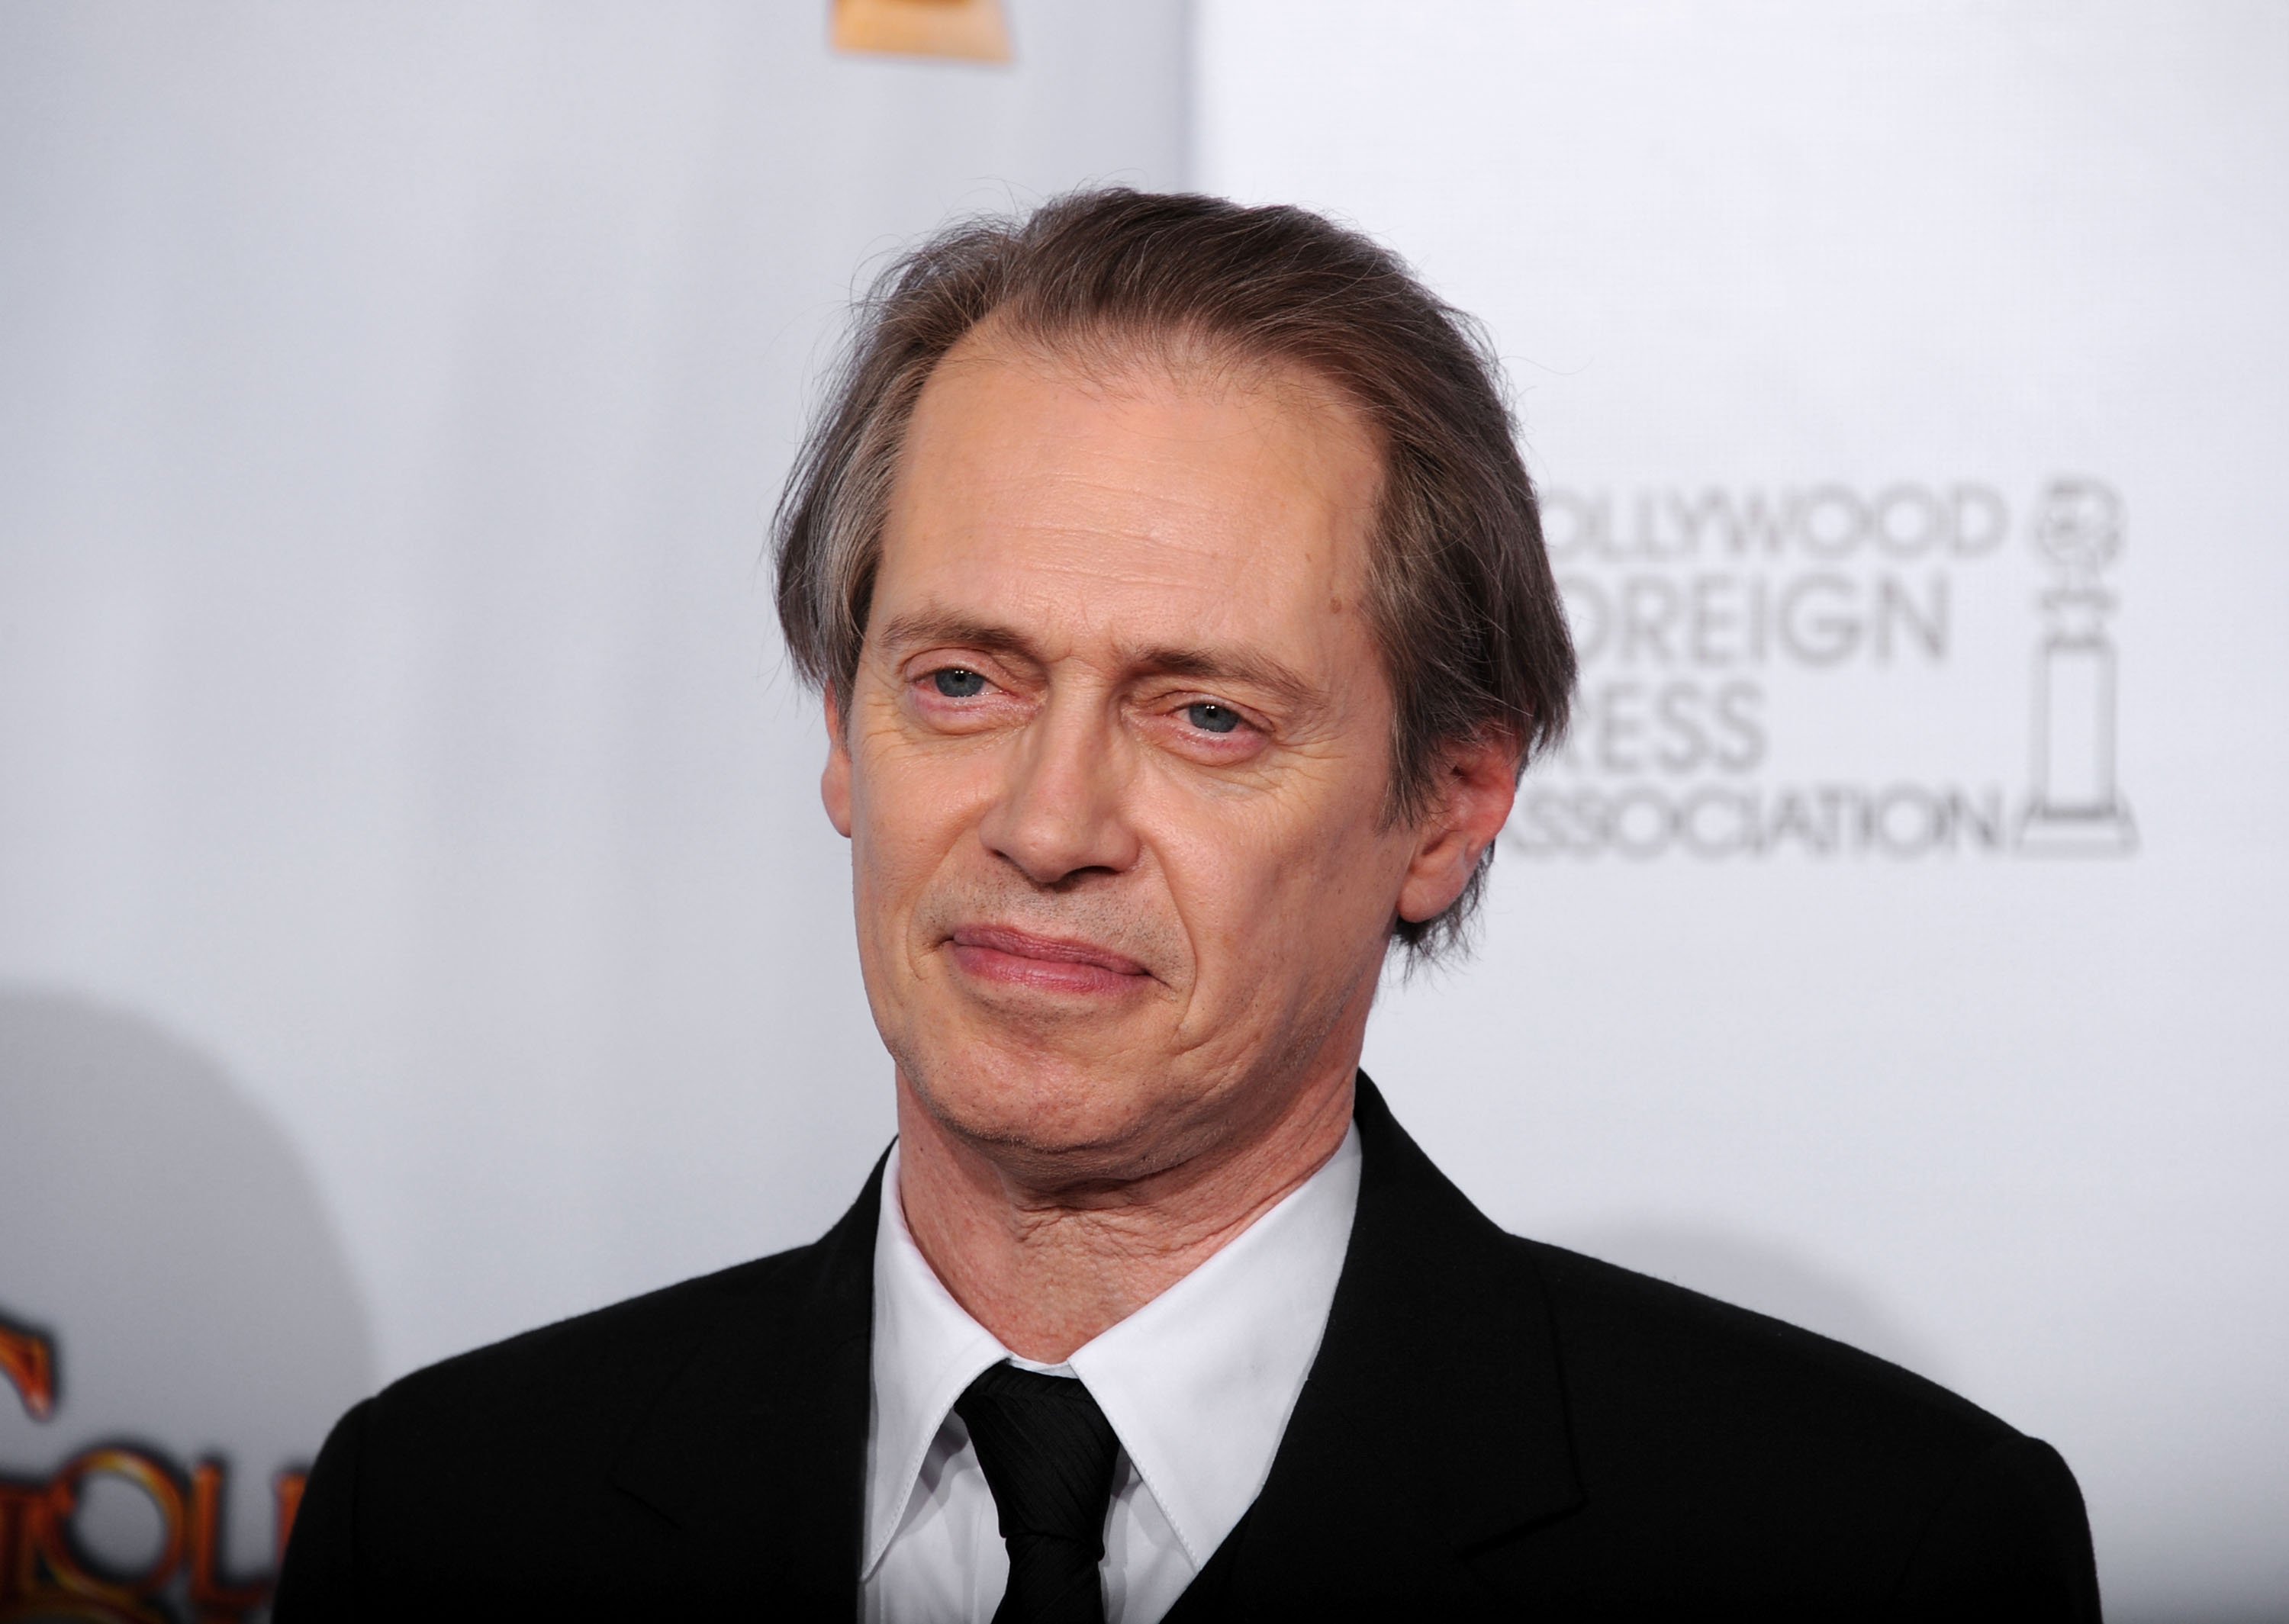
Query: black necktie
x=1048 y=1454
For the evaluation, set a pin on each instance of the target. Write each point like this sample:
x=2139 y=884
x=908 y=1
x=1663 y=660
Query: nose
x=1062 y=812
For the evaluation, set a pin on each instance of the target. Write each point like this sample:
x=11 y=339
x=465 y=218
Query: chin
x=1081 y=1115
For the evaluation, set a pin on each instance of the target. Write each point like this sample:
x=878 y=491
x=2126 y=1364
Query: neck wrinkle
x=1048 y=1271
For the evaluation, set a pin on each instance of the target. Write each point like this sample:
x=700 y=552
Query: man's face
x=1117 y=755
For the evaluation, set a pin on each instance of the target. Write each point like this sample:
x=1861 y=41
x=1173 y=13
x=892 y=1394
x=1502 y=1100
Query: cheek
x=910 y=808
x=1264 y=885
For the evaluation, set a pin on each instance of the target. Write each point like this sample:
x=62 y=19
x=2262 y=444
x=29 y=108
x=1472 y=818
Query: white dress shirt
x=1198 y=1384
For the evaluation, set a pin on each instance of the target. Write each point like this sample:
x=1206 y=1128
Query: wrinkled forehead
x=1160 y=485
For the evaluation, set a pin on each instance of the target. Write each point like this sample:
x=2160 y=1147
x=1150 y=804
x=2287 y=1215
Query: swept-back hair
x=1460 y=597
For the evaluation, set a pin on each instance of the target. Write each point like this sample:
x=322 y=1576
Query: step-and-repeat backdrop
x=417 y=922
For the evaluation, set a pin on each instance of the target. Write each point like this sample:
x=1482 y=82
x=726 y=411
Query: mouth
x=1049 y=964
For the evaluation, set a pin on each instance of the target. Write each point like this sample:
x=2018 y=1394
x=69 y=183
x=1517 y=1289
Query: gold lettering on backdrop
x=972 y=29
x=28 y=1362
x=44 y=1573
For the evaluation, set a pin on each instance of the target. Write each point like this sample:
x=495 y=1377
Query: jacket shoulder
x=600 y=1366
x=528 y=1430
x=495 y=1474
x=1627 y=1332
x=1764 y=1460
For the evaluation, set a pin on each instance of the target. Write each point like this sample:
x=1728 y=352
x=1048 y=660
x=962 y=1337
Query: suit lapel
x=756 y=1451
x=1432 y=1426
x=1433 y=1423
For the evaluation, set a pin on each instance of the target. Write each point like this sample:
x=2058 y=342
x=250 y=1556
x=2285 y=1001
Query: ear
x=1477 y=781
x=834 y=783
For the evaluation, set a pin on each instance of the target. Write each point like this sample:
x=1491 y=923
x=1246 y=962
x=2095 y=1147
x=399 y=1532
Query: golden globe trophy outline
x=2076 y=807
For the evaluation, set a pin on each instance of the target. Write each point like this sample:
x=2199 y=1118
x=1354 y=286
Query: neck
x=1047 y=1265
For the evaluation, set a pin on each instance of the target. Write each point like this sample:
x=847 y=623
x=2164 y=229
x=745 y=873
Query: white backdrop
x=416 y=921
x=2016 y=1120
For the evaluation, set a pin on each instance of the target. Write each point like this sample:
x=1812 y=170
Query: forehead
x=1142 y=497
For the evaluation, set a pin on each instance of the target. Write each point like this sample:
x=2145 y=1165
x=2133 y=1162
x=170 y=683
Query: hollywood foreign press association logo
x=1828 y=672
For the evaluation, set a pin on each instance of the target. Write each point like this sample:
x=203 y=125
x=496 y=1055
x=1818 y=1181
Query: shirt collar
x=1197 y=1383
x=926 y=1352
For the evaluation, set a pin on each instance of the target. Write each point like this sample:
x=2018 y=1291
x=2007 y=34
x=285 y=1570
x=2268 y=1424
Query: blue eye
x=1210 y=718
x=955 y=683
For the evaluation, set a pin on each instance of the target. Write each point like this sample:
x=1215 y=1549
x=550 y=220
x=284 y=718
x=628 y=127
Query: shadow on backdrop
x=178 y=1323
x=1759 y=1275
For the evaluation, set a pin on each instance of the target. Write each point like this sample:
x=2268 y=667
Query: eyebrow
x=931 y=625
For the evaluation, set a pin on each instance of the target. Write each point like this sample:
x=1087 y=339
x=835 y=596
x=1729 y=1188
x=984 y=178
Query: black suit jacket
x=1494 y=1428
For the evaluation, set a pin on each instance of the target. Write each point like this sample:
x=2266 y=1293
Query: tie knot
x=1047 y=1454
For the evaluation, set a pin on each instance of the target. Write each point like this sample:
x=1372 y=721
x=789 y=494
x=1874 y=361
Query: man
x=1178 y=602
